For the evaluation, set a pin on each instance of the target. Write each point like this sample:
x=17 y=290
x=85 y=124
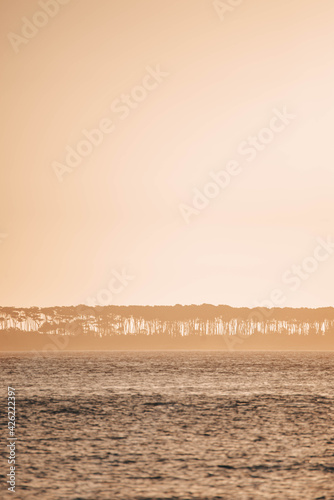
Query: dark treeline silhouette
x=177 y=312
x=193 y=326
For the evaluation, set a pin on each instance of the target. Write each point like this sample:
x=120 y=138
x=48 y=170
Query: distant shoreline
x=42 y=342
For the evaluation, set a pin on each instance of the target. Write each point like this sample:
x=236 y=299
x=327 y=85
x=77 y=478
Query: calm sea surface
x=172 y=425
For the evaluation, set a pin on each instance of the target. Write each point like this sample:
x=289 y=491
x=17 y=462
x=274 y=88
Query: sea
x=173 y=425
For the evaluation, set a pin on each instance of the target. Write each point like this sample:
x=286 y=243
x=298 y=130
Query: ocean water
x=171 y=425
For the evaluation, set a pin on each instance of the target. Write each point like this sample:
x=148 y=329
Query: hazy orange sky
x=61 y=242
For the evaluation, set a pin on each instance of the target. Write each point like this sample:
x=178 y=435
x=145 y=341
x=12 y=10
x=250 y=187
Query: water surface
x=172 y=425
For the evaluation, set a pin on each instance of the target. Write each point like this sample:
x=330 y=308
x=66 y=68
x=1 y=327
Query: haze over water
x=173 y=425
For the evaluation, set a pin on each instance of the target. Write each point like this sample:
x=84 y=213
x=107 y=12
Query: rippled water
x=172 y=425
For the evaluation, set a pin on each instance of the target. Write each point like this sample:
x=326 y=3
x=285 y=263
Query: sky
x=117 y=116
